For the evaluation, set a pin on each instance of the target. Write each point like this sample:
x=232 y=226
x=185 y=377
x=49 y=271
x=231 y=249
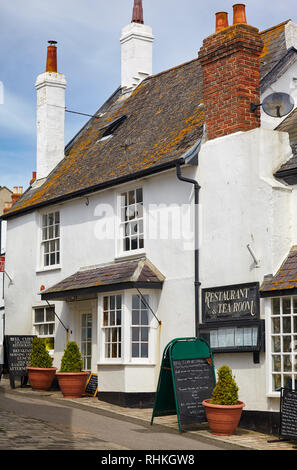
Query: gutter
x=191 y=157
x=95 y=188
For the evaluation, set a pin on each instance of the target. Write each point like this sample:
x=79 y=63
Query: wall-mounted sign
x=2 y=264
x=237 y=302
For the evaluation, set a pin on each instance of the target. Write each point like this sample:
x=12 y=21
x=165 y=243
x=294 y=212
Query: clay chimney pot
x=221 y=20
x=51 y=59
x=239 y=15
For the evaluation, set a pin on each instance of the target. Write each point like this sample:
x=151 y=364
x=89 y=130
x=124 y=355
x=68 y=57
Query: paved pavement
x=18 y=432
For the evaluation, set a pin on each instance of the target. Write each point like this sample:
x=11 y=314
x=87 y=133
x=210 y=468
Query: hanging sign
x=92 y=385
x=2 y=264
x=236 y=302
x=187 y=377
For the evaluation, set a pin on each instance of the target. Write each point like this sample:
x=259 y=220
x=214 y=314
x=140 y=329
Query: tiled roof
x=285 y=278
x=164 y=120
x=289 y=124
x=105 y=278
x=274 y=47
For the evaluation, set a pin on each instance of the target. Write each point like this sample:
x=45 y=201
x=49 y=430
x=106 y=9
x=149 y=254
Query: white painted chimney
x=50 y=87
x=137 y=49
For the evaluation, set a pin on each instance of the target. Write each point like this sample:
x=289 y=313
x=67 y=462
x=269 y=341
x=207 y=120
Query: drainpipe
x=196 y=251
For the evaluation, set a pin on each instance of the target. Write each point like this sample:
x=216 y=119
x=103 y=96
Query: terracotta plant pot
x=72 y=384
x=41 y=379
x=223 y=419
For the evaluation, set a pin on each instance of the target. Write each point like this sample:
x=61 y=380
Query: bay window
x=125 y=330
x=282 y=343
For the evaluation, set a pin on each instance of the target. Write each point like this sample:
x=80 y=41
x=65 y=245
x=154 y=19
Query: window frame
x=126 y=332
x=281 y=334
x=120 y=252
x=35 y=324
x=41 y=243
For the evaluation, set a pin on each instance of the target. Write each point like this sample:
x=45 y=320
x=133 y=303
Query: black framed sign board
x=92 y=385
x=288 y=414
x=235 y=302
x=187 y=377
x=17 y=352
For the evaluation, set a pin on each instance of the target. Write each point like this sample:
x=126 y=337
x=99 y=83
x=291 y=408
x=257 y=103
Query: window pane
x=287 y=306
x=287 y=325
x=276 y=344
x=144 y=334
x=135 y=302
x=144 y=350
x=39 y=315
x=135 y=334
x=277 y=381
x=287 y=364
x=135 y=317
x=50 y=315
x=275 y=306
x=276 y=365
x=135 y=350
x=276 y=325
x=139 y=197
x=144 y=317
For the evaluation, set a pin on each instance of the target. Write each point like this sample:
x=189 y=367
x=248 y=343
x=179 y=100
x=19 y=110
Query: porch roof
x=87 y=282
x=284 y=282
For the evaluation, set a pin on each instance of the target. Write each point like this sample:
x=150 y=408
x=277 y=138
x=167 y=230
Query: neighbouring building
x=172 y=213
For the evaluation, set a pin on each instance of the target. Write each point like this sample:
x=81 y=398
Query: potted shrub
x=40 y=371
x=223 y=410
x=72 y=380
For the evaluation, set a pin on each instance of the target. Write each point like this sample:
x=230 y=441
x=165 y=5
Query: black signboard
x=17 y=353
x=288 y=413
x=236 y=302
x=92 y=385
x=194 y=382
x=187 y=377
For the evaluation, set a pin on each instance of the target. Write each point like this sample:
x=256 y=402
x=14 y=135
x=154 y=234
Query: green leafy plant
x=71 y=360
x=40 y=357
x=226 y=390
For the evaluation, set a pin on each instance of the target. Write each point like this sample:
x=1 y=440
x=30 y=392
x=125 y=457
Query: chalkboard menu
x=288 y=413
x=194 y=382
x=186 y=378
x=18 y=351
x=92 y=385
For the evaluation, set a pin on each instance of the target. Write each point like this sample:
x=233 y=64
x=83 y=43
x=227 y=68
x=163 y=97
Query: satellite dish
x=276 y=105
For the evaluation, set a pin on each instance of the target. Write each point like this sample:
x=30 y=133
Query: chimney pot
x=51 y=60
x=221 y=20
x=239 y=15
x=137 y=12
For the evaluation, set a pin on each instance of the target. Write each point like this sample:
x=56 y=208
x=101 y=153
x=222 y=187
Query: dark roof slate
x=133 y=272
x=164 y=120
x=285 y=278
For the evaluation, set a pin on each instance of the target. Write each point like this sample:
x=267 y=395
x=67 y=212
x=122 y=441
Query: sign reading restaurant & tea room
x=237 y=302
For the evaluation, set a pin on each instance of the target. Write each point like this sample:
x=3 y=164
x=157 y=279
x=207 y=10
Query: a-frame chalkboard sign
x=187 y=377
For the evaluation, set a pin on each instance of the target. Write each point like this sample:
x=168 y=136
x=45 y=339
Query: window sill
x=49 y=268
x=273 y=395
x=105 y=363
x=130 y=255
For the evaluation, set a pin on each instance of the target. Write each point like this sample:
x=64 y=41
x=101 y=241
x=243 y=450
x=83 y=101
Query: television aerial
x=276 y=105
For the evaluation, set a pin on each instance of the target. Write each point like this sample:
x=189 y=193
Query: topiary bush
x=226 y=390
x=40 y=357
x=71 y=360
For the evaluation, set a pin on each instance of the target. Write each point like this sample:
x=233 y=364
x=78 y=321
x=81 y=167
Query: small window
x=112 y=127
x=140 y=327
x=44 y=324
x=132 y=231
x=51 y=239
x=112 y=326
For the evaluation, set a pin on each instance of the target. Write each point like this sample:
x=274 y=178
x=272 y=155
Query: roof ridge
x=169 y=70
x=275 y=27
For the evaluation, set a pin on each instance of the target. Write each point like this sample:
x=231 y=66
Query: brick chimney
x=50 y=87
x=16 y=194
x=231 y=75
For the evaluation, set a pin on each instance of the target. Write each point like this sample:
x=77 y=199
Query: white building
x=109 y=227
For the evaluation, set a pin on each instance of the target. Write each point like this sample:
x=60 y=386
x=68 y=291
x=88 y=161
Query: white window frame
x=87 y=340
x=41 y=242
x=37 y=324
x=270 y=334
x=126 y=332
x=120 y=252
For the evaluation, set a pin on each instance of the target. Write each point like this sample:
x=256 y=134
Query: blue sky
x=88 y=33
